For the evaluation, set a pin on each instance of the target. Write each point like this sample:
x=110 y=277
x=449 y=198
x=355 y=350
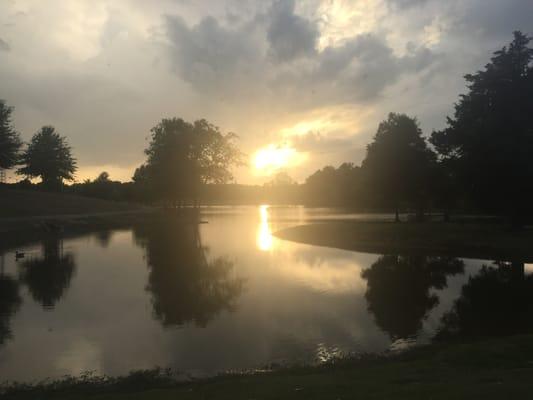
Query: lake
x=228 y=295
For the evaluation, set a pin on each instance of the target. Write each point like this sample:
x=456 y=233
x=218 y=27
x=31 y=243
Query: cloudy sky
x=303 y=83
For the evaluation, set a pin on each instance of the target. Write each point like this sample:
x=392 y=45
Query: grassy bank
x=30 y=203
x=491 y=369
x=470 y=240
x=27 y=216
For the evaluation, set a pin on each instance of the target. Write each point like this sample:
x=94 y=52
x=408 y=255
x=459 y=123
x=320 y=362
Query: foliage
x=398 y=163
x=10 y=142
x=49 y=157
x=183 y=156
x=489 y=139
x=335 y=186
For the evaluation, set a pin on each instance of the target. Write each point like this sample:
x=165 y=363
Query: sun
x=273 y=157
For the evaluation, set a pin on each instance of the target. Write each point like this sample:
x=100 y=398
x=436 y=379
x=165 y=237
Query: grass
x=29 y=216
x=490 y=369
x=29 y=203
x=469 y=240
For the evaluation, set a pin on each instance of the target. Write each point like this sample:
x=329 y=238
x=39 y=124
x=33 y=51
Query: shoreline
x=15 y=232
x=463 y=240
x=491 y=368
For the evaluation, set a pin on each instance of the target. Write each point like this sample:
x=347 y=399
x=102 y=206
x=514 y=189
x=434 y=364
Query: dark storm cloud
x=496 y=19
x=4 y=46
x=357 y=71
x=255 y=57
x=209 y=55
x=289 y=35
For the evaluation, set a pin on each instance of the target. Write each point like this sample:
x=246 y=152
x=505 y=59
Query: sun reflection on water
x=264 y=234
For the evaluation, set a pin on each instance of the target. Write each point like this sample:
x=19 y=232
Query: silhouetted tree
x=49 y=157
x=10 y=142
x=335 y=186
x=185 y=285
x=490 y=136
x=497 y=301
x=282 y=178
x=398 y=163
x=102 y=178
x=398 y=290
x=48 y=276
x=182 y=156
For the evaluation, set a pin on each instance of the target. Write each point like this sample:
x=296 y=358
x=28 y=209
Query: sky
x=303 y=84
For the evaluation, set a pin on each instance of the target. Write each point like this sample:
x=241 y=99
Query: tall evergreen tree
x=10 y=142
x=489 y=139
x=49 y=157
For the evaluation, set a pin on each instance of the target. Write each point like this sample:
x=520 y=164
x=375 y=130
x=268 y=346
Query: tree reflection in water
x=48 y=276
x=398 y=290
x=10 y=302
x=185 y=285
x=497 y=301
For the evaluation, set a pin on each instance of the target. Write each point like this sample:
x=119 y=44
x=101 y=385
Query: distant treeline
x=481 y=162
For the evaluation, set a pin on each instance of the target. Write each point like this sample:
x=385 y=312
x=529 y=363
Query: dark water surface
x=229 y=295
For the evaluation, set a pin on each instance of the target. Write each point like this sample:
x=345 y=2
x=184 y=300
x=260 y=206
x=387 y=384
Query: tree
x=398 y=163
x=49 y=157
x=335 y=186
x=182 y=156
x=102 y=178
x=489 y=139
x=10 y=142
x=282 y=178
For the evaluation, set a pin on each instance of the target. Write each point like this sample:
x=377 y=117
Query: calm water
x=225 y=296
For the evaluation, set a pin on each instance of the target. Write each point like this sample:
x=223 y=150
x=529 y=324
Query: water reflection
x=48 y=276
x=103 y=238
x=185 y=285
x=496 y=301
x=301 y=302
x=10 y=301
x=264 y=233
x=399 y=293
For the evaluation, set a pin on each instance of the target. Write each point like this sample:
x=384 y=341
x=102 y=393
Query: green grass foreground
x=469 y=240
x=490 y=369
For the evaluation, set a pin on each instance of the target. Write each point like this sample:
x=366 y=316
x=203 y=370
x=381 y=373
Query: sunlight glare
x=264 y=234
x=273 y=157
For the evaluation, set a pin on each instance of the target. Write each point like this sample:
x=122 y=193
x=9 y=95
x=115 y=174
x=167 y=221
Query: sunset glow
x=273 y=158
x=264 y=234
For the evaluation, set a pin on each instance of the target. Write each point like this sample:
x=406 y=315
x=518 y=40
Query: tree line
x=481 y=160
